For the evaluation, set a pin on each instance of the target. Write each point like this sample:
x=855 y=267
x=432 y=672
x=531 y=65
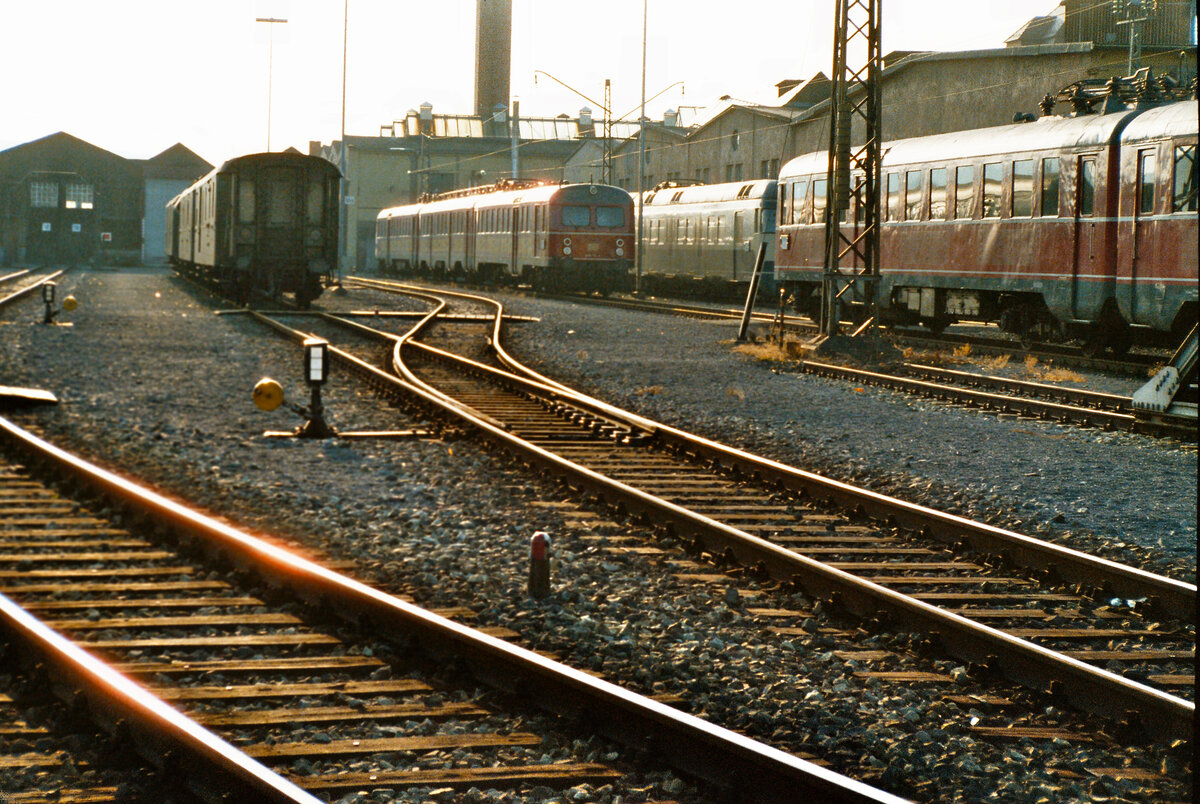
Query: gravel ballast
x=152 y=381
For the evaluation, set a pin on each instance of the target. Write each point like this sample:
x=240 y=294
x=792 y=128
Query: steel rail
x=1175 y=427
x=28 y=289
x=14 y=275
x=724 y=758
x=1172 y=597
x=212 y=768
x=1076 y=396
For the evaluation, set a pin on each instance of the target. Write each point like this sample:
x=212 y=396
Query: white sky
x=137 y=76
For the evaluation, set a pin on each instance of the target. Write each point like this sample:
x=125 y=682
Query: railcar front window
x=1087 y=187
x=610 y=217
x=912 y=195
x=894 y=204
x=1184 y=198
x=1050 y=186
x=993 y=178
x=245 y=200
x=1022 y=192
x=937 y=194
x=281 y=201
x=576 y=216
x=799 y=197
x=964 y=191
x=1146 y=171
x=819 y=192
x=768 y=221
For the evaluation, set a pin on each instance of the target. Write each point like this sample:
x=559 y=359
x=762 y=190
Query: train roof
x=1016 y=138
x=1173 y=120
x=712 y=193
x=507 y=198
x=277 y=158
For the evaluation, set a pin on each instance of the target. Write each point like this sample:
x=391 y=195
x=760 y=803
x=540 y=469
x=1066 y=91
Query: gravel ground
x=152 y=382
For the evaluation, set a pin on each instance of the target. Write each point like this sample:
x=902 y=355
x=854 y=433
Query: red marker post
x=539 y=564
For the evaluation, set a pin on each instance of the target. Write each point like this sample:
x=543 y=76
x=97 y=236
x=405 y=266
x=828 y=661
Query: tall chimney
x=493 y=54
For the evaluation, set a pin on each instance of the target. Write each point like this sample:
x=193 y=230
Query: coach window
x=1022 y=191
x=799 y=196
x=937 y=194
x=785 y=206
x=1184 y=197
x=819 y=192
x=912 y=195
x=964 y=191
x=1146 y=171
x=1087 y=187
x=993 y=178
x=893 y=198
x=1050 y=185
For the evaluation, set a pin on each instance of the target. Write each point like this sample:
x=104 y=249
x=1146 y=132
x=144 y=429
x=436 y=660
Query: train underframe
x=601 y=276
x=269 y=282
x=1023 y=314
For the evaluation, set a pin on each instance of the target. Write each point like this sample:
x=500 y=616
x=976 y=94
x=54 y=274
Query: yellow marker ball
x=268 y=394
x=70 y=304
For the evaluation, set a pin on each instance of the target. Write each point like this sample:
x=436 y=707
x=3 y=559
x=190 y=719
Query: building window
x=1022 y=192
x=1146 y=170
x=79 y=196
x=43 y=194
x=1050 y=187
x=768 y=169
x=733 y=172
x=735 y=139
x=993 y=180
x=1184 y=198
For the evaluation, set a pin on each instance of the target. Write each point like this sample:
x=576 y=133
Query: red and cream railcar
x=577 y=236
x=1157 y=224
x=1017 y=224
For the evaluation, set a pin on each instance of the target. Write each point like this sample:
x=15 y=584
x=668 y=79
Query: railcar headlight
x=620 y=242
x=620 y=252
x=314 y=235
x=567 y=250
x=566 y=241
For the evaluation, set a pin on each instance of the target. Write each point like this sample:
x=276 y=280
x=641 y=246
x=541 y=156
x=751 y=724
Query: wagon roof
x=507 y=198
x=1172 y=120
x=710 y=193
x=1046 y=133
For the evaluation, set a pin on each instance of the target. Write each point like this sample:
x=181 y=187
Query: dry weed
x=648 y=390
x=736 y=393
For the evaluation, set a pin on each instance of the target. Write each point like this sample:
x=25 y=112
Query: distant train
x=1067 y=227
x=702 y=240
x=264 y=224
x=548 y=236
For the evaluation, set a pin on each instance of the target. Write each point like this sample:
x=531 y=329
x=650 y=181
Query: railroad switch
x=268 y=396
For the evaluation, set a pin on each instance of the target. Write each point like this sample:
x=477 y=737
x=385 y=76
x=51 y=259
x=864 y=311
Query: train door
x=1086 y=235
x=1143 y=199
x=739 y=234
x=514 y=267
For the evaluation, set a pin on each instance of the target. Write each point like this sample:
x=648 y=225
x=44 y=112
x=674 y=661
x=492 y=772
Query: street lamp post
x=270 y=66
x=343 y=213
x=637 y=277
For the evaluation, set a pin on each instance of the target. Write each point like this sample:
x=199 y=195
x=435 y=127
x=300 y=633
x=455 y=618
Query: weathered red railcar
x=1064 y=227
x=573 y=236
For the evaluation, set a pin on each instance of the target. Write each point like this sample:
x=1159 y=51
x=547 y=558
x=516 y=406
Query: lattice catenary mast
x=852 y=247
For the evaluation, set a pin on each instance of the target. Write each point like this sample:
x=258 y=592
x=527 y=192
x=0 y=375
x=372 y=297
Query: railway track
x=280 y=701
x=1109 y=638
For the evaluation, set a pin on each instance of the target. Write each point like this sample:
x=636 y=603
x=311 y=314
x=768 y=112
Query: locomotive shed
x=449 y=523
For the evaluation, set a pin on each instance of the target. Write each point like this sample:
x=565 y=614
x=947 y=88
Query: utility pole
x=637 y=277
x=270 y=67
x=1135 y=12
x=606 y=165
x=852 y=252
x=343 y=213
